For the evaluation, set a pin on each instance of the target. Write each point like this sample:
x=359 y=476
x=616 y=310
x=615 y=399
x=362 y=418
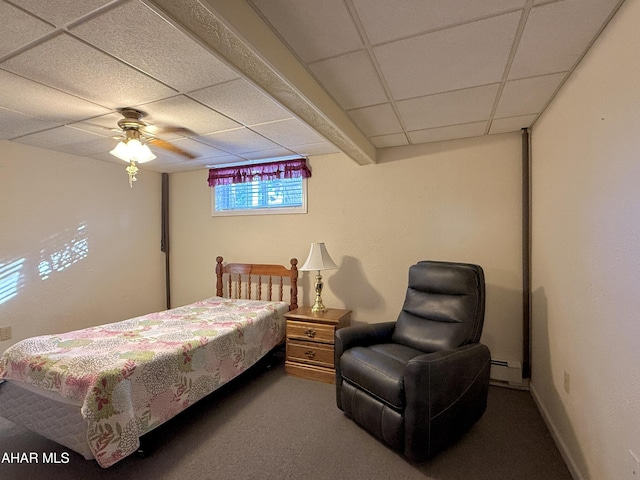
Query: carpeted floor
x=268 y=425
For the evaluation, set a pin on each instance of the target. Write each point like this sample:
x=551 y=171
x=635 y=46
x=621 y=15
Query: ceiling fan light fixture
x=121 y=151
x=145 y=154
x=133 y=149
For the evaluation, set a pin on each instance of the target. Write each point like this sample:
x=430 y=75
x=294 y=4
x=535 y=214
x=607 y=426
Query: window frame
x=261 y=211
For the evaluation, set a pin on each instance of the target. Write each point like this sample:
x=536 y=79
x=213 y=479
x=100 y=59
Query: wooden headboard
x=242 y=278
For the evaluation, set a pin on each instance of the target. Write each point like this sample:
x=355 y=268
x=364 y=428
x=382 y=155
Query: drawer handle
x=310 y=354
x=310 y=332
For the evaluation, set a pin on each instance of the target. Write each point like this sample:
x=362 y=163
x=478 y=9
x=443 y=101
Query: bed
x=97 y=390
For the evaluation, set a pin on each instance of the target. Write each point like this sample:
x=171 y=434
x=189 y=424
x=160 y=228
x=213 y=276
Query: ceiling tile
x=384 y=21
x=528 y=95
x=61 y=12
x=462 y=106
x=137 y=35
x=181 y=111
x=220 y=161
x=376 y=120
x=63 y=135
x=392 y=140
x=548 y=46
x=70 y=140
x=240 y=100
x=265 y=154
x=238 y=141
x=448 y=133
x=314 y=30
x=15 y=124
x=19 y=28
x=351 y=79
x=70 y=65
x=22 y=95
x=89 y=147
x=288 y=133
x=512 y=124
x=460 y=57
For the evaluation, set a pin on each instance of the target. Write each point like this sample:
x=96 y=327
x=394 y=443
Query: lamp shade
x=318 y=259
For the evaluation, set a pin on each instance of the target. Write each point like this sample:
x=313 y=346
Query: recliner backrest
x=443 y=308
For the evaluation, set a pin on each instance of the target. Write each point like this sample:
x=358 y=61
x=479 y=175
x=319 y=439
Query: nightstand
x=310 y=342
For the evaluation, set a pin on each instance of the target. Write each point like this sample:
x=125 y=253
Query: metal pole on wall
x=164 y=238
x=526 y=254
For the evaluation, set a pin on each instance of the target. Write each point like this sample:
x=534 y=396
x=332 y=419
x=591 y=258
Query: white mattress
x=54 y=418
x=55 y=396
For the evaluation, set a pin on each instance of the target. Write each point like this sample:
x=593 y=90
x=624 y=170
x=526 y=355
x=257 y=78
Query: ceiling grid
x=251 y=80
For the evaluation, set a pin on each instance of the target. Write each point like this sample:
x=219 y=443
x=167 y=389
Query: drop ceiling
x=260 y=79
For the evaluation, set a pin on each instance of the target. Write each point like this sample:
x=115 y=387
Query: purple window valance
x=263 y=171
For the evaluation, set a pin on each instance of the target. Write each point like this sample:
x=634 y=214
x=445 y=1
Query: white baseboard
x=560 y=443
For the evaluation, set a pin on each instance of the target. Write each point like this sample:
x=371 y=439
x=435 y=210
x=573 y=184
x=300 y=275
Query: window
x=261 y=196
x=269 y=188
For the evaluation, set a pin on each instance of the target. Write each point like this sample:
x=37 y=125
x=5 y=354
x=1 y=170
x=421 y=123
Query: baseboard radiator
x=507 y=373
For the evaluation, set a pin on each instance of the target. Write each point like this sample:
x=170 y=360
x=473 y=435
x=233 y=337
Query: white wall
x=586 y=256
x=457 y=201
x=84 y=247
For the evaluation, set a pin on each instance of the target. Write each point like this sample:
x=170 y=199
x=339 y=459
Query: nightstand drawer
x=310 y=352
x=310 y=331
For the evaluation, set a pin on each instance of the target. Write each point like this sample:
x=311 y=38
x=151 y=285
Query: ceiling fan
x=132 y=149
x=133 y=126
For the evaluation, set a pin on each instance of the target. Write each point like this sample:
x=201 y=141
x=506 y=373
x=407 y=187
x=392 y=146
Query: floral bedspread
x=131 y=376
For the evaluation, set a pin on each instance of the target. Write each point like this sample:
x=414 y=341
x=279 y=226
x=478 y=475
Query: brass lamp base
x=318 y=306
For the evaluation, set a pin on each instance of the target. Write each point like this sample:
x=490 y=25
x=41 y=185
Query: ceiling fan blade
x=110 y=129
x=171 y=147
x=163 y=129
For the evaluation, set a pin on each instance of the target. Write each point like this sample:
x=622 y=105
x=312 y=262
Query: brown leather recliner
x=419 y=383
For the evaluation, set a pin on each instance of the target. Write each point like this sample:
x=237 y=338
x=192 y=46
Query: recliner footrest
x=374 y=416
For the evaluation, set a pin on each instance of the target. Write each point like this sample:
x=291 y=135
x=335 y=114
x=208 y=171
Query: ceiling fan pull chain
x=132 y=170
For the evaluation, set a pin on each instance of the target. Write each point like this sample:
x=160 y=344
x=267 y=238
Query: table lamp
x=319 y=260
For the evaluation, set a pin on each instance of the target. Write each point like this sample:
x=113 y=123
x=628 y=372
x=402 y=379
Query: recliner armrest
x=448 y=374
x=362 y=336
x=358 y=336
x=444 y=388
